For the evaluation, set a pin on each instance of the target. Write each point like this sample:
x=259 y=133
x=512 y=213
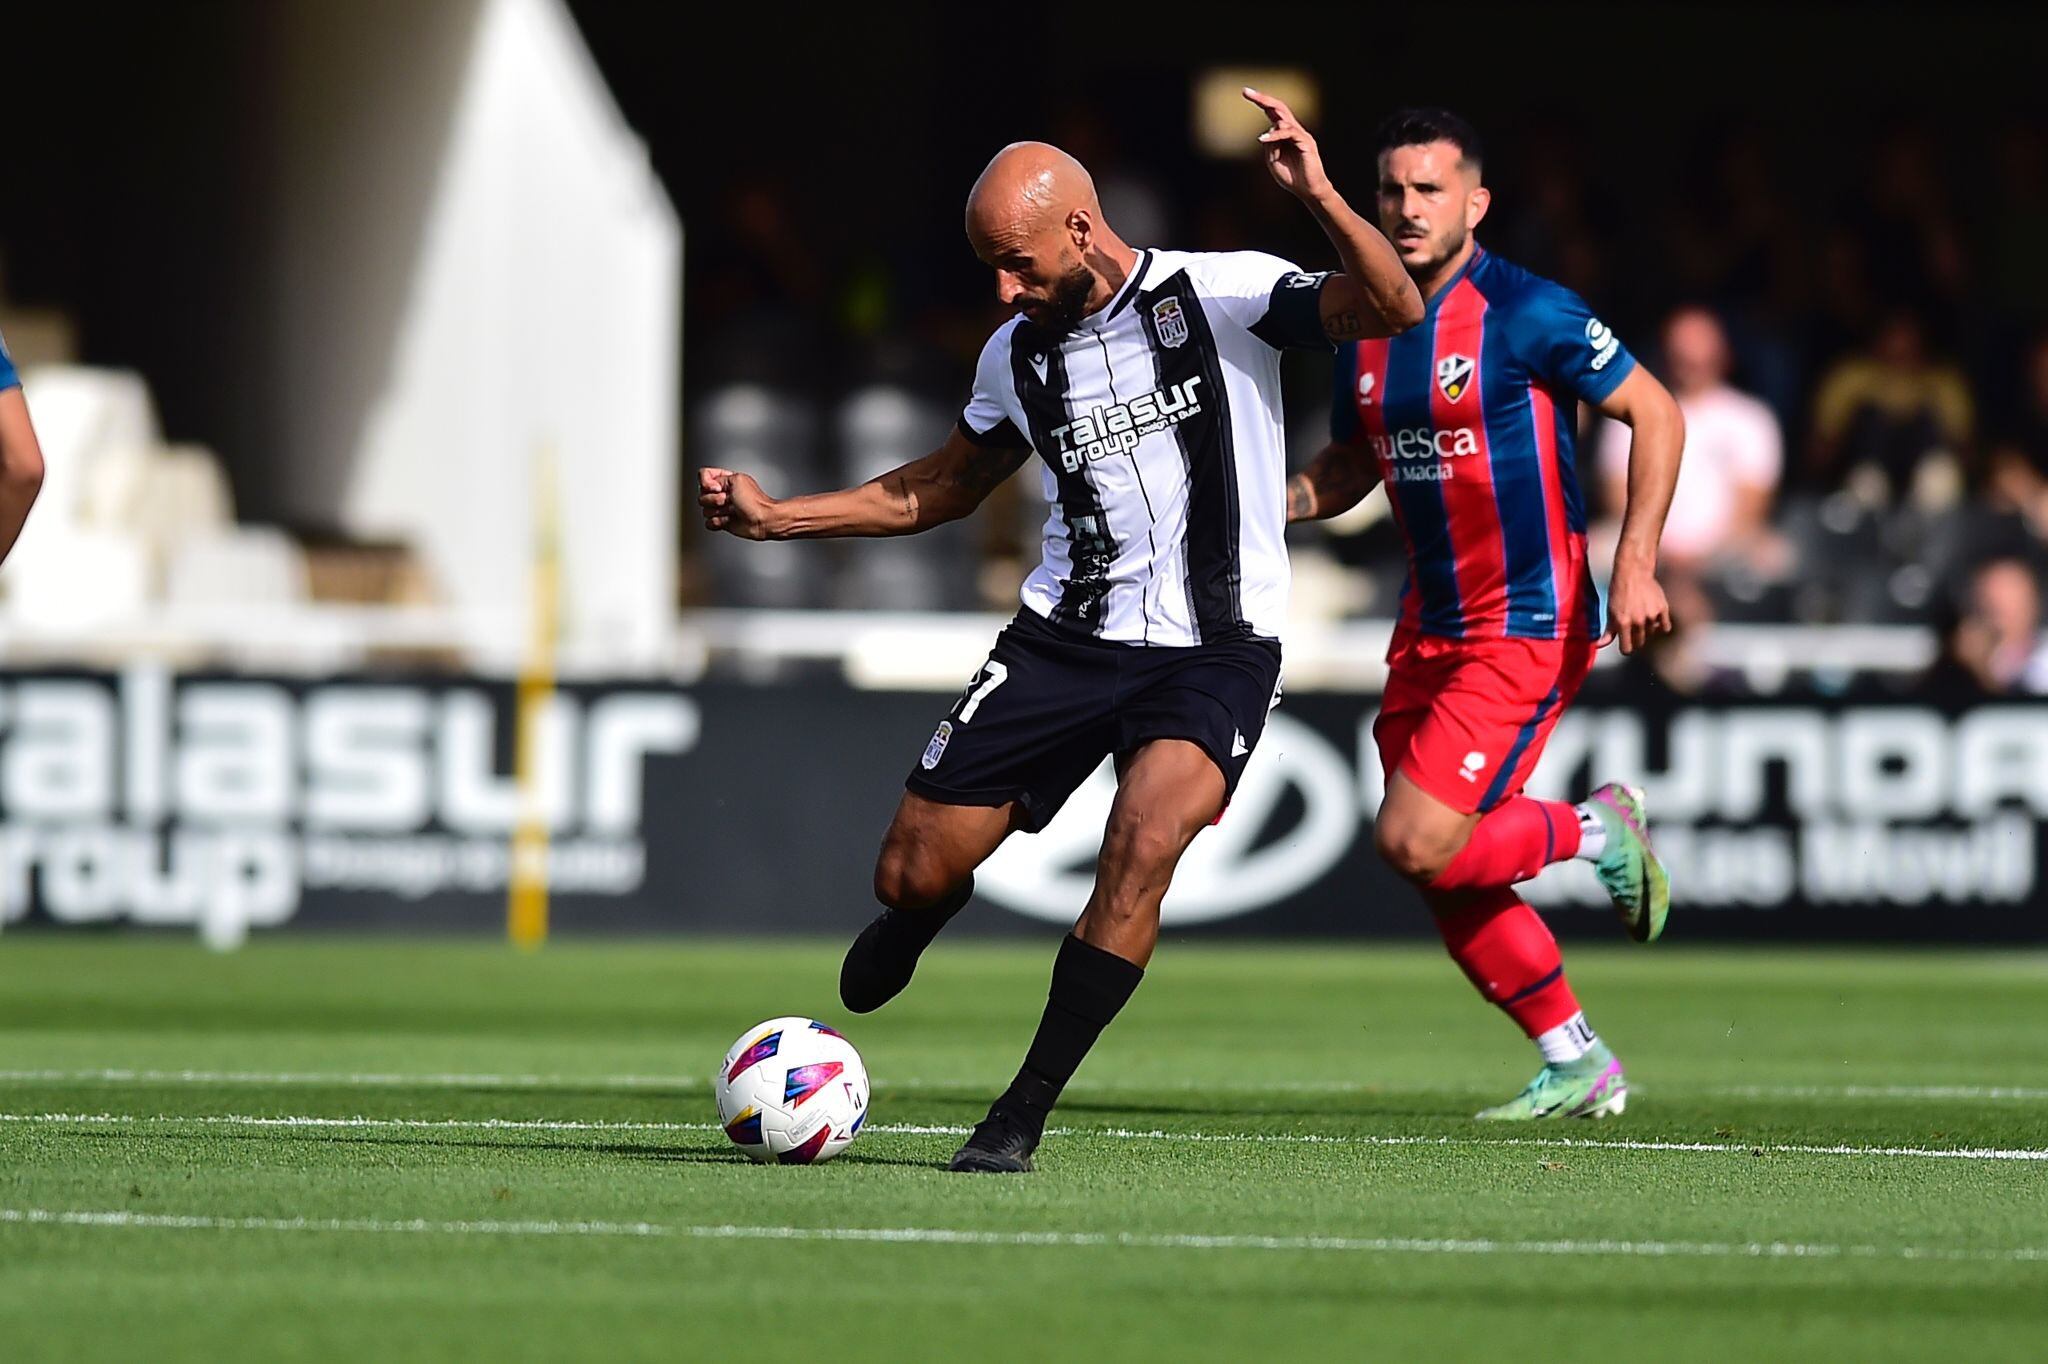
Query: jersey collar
x=1471 y=263
x=1096 y=321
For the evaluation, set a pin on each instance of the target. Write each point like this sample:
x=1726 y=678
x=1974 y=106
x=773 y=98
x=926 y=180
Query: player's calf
x=1169 y=792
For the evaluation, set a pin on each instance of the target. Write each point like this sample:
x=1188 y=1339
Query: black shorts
x=1048 y=706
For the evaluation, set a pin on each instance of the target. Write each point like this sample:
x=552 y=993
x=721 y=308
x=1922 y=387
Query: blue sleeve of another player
x=8 y=378
x=1558 y=337
x=1343 y=411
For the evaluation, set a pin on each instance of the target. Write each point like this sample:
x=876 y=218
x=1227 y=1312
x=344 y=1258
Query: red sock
x=1505 y=949
x=1518 y=838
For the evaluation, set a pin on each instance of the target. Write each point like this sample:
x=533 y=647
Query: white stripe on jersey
x=1159 y=422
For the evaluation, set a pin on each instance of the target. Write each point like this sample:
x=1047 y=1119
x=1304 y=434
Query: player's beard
x=1445 y=249
x=1068 y=304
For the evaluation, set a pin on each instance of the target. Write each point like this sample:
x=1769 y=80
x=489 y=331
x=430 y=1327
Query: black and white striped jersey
x=1159 y=422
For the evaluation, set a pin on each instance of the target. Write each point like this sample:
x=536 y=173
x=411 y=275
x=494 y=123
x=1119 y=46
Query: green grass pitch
x=425 y=1149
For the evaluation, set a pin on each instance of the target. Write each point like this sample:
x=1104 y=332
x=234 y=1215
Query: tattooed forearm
x=1301 y=499
x=985 y=470
x=1331 y=485
x=1344 y=326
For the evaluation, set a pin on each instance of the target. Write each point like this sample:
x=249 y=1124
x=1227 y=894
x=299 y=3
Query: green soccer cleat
x=1591 y=1087
x=1628 y=867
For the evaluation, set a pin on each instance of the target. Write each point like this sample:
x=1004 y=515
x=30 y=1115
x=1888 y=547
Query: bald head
x=1034 y=218
x=1028 y=183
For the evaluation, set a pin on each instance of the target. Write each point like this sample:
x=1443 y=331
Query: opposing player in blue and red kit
x=1468 y=419
x=21 y=458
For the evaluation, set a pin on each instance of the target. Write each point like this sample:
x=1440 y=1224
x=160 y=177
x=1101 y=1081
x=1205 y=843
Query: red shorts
x=1466 y=719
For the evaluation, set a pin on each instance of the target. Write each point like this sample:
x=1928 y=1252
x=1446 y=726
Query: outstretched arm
x=1374 y=296
x=21 y=467
x=1334 y=482
x=944 y=486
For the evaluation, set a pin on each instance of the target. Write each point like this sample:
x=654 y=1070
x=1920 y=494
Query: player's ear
x=1476 y=204
x=1081 y=228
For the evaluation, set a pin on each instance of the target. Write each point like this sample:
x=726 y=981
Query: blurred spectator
x=2005 y=604
x=1903 y=218
x=1130 y=197
x=2017 y=471
x=2019 y=224
x=1891 y=422
x=760 y=287
x=1549 y=225
x=1734 y=454
x=1961 y=673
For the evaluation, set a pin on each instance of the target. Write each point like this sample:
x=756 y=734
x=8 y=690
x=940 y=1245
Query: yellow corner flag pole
x=526 y=909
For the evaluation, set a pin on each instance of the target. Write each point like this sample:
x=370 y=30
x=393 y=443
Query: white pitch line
x=947 y=1236
x=352 y=1079
x=460 y=1080
x=177 y=1222
x=1984 y=1153
x=1880 y=1092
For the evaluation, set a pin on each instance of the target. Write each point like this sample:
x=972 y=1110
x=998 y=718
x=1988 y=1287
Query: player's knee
x=907 y=878
x=1140 y=849
x=1411 y=851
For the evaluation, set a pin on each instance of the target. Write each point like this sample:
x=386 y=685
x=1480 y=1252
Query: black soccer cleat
x=880 y=962
x=1001 y=1144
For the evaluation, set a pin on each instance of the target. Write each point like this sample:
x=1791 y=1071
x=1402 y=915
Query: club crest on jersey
x=1171 y=322
x=1454 y=375
x=936 y=749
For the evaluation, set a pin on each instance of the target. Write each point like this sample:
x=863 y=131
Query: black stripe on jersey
x=1043 y=394
x=1138 y=473
x=1215 y=572
x=1130 y=291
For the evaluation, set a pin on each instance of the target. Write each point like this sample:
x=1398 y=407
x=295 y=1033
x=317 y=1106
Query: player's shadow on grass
x=1394 y=1106
x=1341 y=1109
x=706 y=1154
x=725 y=1155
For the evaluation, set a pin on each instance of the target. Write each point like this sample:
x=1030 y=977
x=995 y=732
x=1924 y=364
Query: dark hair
x=1414 y=127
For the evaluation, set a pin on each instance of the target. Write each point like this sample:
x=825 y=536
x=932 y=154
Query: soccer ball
x=792 y=1091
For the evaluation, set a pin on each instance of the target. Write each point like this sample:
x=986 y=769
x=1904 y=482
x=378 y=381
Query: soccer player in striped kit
x=1469 y=420
x=1148 y=383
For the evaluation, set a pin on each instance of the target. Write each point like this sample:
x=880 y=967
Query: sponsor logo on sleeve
x=1606 y=345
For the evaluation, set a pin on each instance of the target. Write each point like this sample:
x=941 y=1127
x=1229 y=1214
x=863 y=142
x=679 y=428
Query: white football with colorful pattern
x=792 y=1091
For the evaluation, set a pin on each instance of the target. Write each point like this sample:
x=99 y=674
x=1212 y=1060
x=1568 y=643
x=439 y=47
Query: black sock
x=914 y=929
x=1089 y=986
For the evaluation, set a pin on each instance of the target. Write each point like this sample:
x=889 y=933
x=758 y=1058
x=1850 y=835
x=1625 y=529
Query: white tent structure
x=538 y=340
x=464 y=308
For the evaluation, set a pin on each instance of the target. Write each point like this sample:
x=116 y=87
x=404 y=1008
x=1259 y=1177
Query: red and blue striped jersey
x=1470 y=416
